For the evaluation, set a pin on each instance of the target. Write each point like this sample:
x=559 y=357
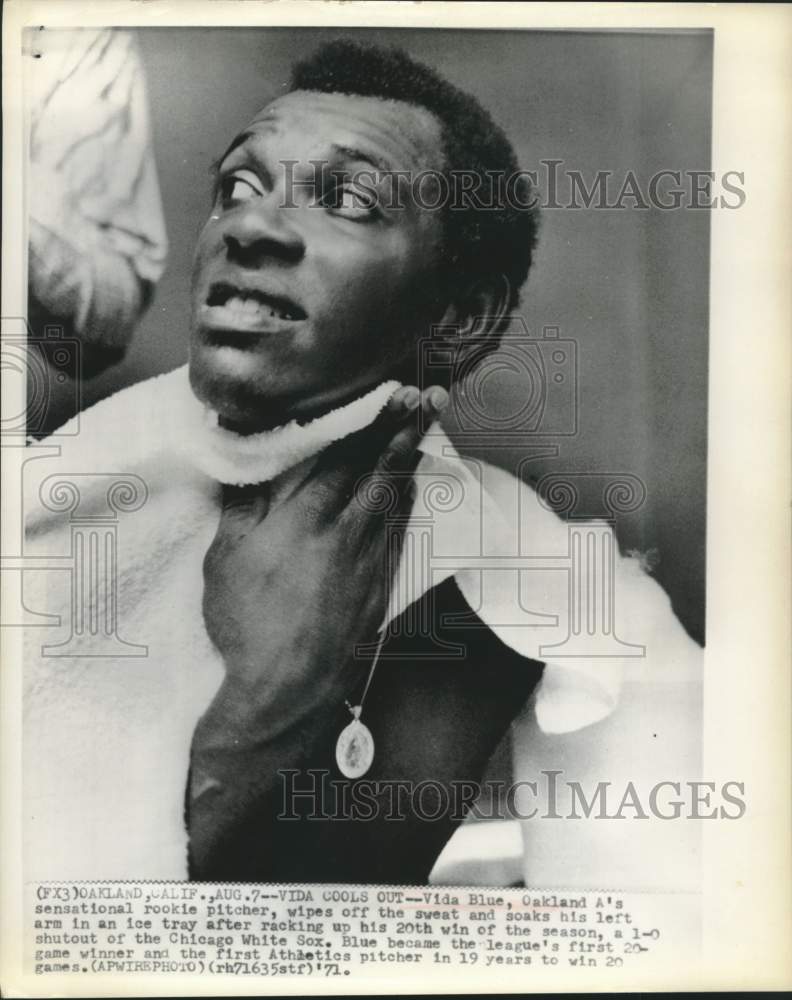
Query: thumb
x=331 y=482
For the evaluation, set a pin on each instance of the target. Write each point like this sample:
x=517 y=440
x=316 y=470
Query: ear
x=471 y=317
x=478 y=309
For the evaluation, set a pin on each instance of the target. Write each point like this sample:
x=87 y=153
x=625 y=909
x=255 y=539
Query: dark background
x=629 y=286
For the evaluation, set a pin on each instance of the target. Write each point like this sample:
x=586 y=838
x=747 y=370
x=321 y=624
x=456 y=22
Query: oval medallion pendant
x=354 y=749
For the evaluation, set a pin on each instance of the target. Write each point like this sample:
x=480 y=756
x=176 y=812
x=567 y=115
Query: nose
x=261 y=232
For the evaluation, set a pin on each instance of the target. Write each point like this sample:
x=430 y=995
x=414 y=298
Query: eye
x=242 y=185
x=350 y=201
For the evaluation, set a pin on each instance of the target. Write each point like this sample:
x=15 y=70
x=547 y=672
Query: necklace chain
x=356 y=710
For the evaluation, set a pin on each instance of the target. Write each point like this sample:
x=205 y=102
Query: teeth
x=250 y=307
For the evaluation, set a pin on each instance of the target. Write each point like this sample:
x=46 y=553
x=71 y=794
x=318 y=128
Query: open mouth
x=250 y=304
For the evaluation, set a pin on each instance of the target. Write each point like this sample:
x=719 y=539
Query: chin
x=229 y=382
x=246 y=389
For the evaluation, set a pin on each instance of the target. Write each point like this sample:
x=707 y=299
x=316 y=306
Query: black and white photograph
x=364 y=467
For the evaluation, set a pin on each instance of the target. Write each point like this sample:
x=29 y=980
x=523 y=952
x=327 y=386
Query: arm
x=235 y=783
x=436 y=722
x=289 y=592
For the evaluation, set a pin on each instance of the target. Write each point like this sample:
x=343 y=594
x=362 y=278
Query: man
x=264 y=572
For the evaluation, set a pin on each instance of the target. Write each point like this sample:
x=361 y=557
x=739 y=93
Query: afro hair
x=478 y=242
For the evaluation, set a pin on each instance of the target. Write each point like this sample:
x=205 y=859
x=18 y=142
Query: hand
x=290 y=590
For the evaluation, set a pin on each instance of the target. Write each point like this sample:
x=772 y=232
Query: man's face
x=307 y=289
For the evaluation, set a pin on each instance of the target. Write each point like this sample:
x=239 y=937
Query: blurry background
x=628 y=286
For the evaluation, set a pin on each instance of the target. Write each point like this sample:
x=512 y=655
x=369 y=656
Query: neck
x=239 y=457
x=301 y=415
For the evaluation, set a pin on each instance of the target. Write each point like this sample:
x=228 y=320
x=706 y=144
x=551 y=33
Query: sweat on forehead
x=400 y=134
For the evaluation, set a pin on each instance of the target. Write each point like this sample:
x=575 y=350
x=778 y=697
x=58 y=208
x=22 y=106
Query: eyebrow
x=350 y=153
x=339 y=151
x=235 y=142
x=214 y=167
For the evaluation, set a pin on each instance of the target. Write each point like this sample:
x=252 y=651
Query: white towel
x=107 y=738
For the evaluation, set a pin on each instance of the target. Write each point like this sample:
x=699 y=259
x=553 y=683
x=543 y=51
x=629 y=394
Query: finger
x=400 y=454
x=389 y=444
x=332 y=480
x=408 y=410
x=387 y=490
x=360 y=451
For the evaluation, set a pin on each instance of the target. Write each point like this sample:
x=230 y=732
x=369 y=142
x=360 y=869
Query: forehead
x=395 y=134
